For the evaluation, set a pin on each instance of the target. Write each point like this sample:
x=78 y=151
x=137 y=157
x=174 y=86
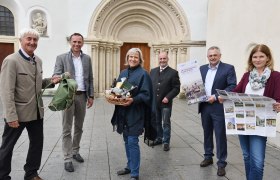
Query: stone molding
x=162 y=24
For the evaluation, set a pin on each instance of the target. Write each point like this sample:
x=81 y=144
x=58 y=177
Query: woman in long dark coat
x=129 y=118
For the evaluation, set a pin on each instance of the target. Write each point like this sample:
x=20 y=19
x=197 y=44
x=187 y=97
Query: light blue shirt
x=209 y=80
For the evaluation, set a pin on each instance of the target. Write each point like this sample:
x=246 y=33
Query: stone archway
x=162 y=24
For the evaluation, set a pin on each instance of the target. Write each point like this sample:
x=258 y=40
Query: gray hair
x=26 y=31
x=215 y=47
x=133 y=51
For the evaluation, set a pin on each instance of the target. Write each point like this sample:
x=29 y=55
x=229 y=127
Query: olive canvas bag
x=64 y=95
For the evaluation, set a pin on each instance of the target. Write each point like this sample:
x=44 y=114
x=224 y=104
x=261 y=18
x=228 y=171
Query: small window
x=6 y=22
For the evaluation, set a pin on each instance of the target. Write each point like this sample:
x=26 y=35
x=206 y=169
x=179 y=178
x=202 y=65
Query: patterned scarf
x=258 y=81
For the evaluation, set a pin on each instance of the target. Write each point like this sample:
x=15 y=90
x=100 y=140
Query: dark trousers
x=34 y=155
x=213 y=120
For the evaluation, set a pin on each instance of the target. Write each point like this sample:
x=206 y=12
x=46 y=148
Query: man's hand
x=56 y=79
x=165 y=100
x=211 y=99
x=13 y=124
x=89 y=102
x=220 y=99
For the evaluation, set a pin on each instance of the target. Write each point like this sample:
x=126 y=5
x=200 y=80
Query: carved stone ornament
x=39 y=22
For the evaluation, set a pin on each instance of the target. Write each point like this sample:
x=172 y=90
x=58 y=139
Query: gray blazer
x=64 y=63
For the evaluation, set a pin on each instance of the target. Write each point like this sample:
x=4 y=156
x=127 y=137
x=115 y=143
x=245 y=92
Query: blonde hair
x=264 y=49
x=26 y=31
x=134 y=51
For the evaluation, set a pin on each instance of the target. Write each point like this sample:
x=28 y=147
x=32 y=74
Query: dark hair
x=76 y=34
x=264 y=49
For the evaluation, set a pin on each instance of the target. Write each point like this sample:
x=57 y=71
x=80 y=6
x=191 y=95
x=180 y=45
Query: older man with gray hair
x=21 y=83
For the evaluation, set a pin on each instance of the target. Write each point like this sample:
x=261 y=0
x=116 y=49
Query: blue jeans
x=253 y=148
x=163 y=124
x=132 y=150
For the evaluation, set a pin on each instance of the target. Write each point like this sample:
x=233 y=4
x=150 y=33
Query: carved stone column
x=156 y=52
x=173 y=57
x=101 y=74
x=95 y=62
x=116 y=62
x=109 y=67
x=183 y=55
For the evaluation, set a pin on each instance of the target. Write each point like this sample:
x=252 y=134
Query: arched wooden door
x=5 y=50
x=145 y=50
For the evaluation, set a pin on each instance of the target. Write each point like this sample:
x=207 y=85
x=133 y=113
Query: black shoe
x=166 y=147
x=134 y=178
x=68 y=166
x=206 y=162
x=78 y=158
x=123 y=171
x=156 y=142
x=221 y=171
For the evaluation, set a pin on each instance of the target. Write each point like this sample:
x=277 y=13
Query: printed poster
x=191 y=82
x=248 y=114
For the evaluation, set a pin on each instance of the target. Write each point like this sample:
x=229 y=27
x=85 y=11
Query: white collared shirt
x=209 y=80
x=162 y=68
x=79 y=77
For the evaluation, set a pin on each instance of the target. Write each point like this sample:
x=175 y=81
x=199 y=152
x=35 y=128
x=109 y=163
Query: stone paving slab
x=104 y=152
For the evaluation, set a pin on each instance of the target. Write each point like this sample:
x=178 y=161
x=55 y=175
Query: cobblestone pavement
x=104 y=153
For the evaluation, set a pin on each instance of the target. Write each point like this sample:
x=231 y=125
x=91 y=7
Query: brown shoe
x=36 y=178
x=221 y=171
x=206 y=162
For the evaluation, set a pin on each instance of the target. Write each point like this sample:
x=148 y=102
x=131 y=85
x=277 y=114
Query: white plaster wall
x=233 y=29
x=64 y=18
x=196 y=13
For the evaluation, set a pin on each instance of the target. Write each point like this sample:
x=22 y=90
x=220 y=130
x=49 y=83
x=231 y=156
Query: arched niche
x=162 y=24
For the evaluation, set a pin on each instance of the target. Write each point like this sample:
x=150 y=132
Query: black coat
x=165 y=84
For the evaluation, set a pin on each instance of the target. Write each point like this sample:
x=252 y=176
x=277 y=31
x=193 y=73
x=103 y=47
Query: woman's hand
x=128 y=102
x=276 y=107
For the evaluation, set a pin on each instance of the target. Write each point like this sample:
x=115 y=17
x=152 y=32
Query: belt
x=80 y=92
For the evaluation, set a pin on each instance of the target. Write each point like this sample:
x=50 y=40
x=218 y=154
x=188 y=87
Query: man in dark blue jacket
x=215 y=75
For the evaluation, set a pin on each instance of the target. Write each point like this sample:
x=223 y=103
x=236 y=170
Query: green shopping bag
x=64 y=95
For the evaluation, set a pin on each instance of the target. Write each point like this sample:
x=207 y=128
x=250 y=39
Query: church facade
x=184 y=28
x=110 y=28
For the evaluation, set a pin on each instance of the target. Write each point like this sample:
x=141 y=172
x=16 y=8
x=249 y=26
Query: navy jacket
x=225 y=79
x=130 y=120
